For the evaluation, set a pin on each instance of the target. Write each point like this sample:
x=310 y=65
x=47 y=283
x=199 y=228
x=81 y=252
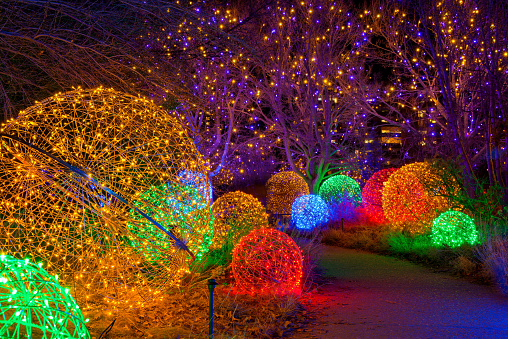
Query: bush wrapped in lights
x=309 y=211
x=281 y=191
x=454 y=228
x=412 y=195
x=267 y=261
x=34 y=305
x=74 y=168
x=372 y=194
x=236 y=214
x=340 y=188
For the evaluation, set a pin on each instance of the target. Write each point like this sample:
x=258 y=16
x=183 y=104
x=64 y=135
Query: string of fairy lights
x=83 y=172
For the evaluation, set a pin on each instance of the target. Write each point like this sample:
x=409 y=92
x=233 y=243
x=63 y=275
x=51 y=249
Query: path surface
x=372 y=296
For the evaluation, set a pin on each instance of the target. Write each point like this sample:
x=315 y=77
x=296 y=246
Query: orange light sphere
x=236 y=214
x=281 y=191
x=75 y=168
x=413 y=195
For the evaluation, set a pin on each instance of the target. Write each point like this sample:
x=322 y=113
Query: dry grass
x=373 y=239
x=494 y=255
x=461 y=261
x=184 y=314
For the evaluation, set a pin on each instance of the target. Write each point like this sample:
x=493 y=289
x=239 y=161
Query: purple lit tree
x=311 y=55
x=448 y=87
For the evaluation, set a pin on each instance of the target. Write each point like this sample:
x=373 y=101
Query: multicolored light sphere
x=175 y=205
x=309 y=211
x=75 y=170
x=372 y=194
x=34 y=305
x=236 y=214
x=340 y=188
x=412 y=197
x=453 y=229
x=196 y=180
x=281 y=191
x=267 y=261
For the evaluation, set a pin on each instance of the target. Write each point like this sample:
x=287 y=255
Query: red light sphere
x=267 y=261
x=372 y=195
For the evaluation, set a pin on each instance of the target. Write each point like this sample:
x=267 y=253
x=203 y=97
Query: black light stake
x=211 y=286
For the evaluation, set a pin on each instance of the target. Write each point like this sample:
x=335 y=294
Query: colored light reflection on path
x=373 y=296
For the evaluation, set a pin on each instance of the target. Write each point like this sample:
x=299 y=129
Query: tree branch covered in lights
x=311 y=57
x=49 y=46
x=449 y=64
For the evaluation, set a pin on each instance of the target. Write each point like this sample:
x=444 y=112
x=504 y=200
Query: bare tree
x=51 y=46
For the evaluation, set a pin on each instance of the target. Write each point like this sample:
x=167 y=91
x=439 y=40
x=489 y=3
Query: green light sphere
x=454 y=228
x=34 y=305
x=340 y=188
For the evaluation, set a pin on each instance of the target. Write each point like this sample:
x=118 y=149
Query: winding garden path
x=373 y=296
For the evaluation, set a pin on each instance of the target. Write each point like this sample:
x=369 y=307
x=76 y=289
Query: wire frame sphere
x=340 y=188
x=267 y=261
x=412 y=197
x=453 y=229
x=236 y=214
x=74 y=169
x=34 y=305
x=309 y=211
x=281 y=191
x=372 y=194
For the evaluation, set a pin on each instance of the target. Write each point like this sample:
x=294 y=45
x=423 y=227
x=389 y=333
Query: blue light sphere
x=309 y=211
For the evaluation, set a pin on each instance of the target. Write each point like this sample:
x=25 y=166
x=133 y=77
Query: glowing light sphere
x=281 y=191
x=454 y=228
x=309 y=211
x=372 y=194
x=236 y=214
x=340 y=188
x=34 y=305
x=174 y=205
x=75 y=170
x=411 y=197
x=196 y=180
x=267 y=261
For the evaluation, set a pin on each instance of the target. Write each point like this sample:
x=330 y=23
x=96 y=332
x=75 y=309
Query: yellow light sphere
x=236 y=214
x=75 y=170
x=413 y=195
x=282 y=190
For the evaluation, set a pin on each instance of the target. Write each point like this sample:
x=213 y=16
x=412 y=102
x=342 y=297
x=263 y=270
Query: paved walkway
x=372 y=296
